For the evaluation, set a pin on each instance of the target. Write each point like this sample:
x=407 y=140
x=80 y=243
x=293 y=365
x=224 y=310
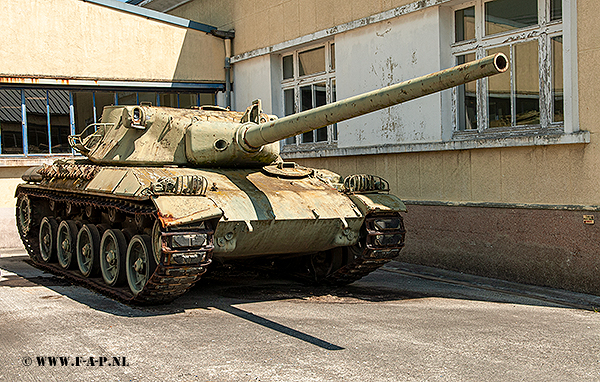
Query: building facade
x=500 y=175
x=62 y=61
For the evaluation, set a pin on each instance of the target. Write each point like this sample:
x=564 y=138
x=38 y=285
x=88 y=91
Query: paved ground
x=403 y=323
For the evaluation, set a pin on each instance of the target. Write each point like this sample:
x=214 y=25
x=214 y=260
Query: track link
x=166 y=283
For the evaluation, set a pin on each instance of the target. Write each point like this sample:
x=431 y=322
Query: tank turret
x=216 y=137
x=165 y=193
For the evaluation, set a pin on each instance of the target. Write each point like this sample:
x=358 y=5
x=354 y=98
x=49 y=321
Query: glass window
x=530 y=93
x=127 y=98
x=464 y=24
x=306 y=103
x=207 y=99
x=187 y=100
x=103 y=99
x=83 y=104
x=333 y=99
x=332 y=67
x=60 y=120
x=557 y=79
x=527 y=83
x=505 y=15
x=169 y=99
x=11 y=116
x=288 y=67
x=147 y=97
x=320 y=98
x=556 y=10
x=467 y=99
x=311 y=61
x=307 y=93
x=289 y=107
x=37 y=121
x=499 y=103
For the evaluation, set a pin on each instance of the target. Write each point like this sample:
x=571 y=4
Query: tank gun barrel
x=258 y=135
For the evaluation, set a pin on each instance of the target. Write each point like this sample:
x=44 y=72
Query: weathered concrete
x=393 y=325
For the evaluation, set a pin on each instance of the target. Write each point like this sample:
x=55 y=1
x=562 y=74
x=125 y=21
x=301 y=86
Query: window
x=308 y=81
x=39 y=121
x=530 y=94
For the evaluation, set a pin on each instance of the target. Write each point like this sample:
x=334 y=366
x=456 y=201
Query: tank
x=159 y=194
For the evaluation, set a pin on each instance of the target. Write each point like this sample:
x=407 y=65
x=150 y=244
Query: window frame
x=543 y=33
x=72 y=113
x=296 y=82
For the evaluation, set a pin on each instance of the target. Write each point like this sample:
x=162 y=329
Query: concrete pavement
x=402 y=323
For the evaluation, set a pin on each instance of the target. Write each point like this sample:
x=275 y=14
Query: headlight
x=386 y=224
x=188 y=240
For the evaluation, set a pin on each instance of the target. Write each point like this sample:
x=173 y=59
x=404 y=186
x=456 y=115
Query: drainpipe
x=227 y=36
x=227 y=73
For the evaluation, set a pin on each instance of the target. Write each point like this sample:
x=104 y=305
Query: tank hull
x=240 y=215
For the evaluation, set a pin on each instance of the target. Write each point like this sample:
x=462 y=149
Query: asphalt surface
x=402 y=323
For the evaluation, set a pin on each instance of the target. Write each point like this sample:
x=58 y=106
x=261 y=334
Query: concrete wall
x=263 y=23
x=397 y=50
x=75 y=39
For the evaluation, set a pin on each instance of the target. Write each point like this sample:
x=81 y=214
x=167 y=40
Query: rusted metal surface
x=370 y=203
x=68 y=170
x=175 y=210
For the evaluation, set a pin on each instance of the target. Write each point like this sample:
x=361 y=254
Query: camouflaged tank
x=161 y=193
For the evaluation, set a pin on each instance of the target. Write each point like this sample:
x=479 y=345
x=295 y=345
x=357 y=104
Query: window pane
x=332 y=56
x=11 y=128
x=506 y=15
x=499 y=94
x=556 y=10
x=464 y=24
x=147 y=97
x=306 y=103
x=83 y=104
x=333 y=99
x=311 y=61
x=527 y=83
x=37 y=121
x=168 y=99
x=60 y=120
x=289 y=108
x=127 y=98
x=207 y=99
x=103 y=99
x=288 y=67
x=557 y=79
x=320 y=100
x=467 y=100
x=187 y=100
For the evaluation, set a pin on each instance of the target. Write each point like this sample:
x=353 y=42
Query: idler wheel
x=140 y=262
x=47 y=236
x=113 y=249
x=88 y=250
x=65 y=244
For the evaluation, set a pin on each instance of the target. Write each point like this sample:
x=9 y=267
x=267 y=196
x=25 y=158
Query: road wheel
x=65 y=243
x=140 y=262
x=113 y=249
x=88 y=246
x=47 y=236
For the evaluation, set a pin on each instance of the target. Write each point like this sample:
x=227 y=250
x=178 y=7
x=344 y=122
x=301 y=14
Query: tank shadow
x=227 y=292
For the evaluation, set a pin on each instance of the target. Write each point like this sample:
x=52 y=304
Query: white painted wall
x=252 y=81
x=383 y=54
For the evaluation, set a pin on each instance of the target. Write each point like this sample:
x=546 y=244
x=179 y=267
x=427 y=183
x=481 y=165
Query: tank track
x=166 y=283
x=349 y=264
x=372 y=255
